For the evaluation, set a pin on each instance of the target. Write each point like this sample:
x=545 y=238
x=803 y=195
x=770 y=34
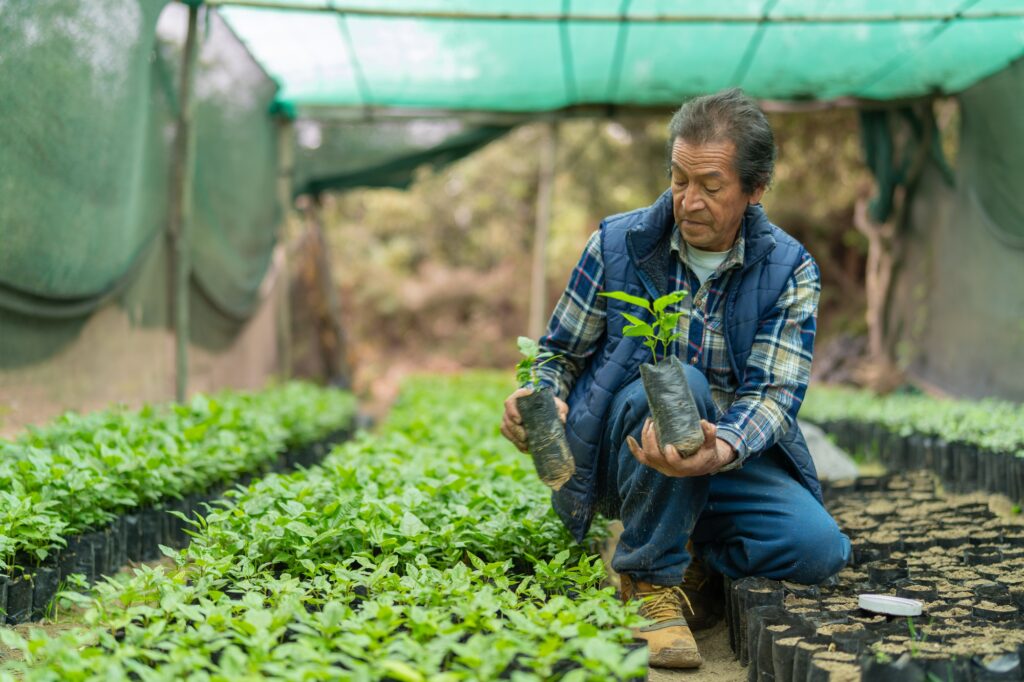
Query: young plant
x=526 y=369
x=673 y=409
x=660 y=332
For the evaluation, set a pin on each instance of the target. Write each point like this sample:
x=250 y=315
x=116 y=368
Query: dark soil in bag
x=545 y=438
x=673 y=409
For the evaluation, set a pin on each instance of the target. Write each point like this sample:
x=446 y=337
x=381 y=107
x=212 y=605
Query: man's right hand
x=512 y=423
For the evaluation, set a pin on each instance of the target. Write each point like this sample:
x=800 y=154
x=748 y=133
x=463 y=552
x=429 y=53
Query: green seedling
x=533 y=359
x=660 y=332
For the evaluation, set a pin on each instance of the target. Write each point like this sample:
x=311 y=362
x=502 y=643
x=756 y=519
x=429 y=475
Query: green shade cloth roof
x=543 y=55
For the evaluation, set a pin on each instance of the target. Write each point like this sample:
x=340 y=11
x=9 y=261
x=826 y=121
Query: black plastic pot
x=884 y=573
x=100 y=554
x=802 y=656
x=545 y=438
x=854 y=641
x=150 y=533
x=46 y=581
x=673 y=409
x=828 y=663
x=119 y=531
x=1008 y=666
x=3 y=595
x=67 y=558
x=84 y=561
x=749 y=593
x=902 y=669
x=133 y=537
x=775 y=623
x=19 y=598
x=783 y=653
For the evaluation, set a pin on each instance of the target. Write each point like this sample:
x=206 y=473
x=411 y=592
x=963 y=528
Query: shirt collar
x=732 y=260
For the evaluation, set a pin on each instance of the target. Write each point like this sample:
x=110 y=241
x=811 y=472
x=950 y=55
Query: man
x=747 y=502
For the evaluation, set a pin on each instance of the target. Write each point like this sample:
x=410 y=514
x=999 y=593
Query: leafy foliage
x=533 y=359
x=81 y=471
x=429 y=551
x=663 y=330
x=989 y=424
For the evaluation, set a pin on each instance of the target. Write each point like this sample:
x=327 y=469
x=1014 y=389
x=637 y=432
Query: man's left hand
x=711 y=456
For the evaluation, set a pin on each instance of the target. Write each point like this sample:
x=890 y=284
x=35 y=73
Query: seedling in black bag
x=676 y=420
x=545 y=434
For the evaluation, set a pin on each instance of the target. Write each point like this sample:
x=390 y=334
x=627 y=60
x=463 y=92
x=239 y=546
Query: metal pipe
x=383 y=13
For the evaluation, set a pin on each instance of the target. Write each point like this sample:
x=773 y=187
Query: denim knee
x=823 y=550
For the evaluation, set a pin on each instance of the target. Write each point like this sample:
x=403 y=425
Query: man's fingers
x=512 y=408
x=650 y=438
x=710 y=432
x=515 y=434
x=635 y=448
x=563 y=409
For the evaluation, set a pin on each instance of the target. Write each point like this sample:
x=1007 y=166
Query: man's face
x=707 y=199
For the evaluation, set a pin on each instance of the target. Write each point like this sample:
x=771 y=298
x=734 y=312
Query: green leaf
x=402 y=671
x=635 y=320
x=672 y=298
x=638 y=330
x=411 y=525
x=528 y=347
x=623 y=296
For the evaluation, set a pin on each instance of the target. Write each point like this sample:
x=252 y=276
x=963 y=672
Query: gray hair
x=732 y=116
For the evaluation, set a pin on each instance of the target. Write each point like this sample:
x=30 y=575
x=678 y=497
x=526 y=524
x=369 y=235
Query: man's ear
x=755 y=197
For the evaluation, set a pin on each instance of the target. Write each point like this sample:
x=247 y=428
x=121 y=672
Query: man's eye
x=713 y=190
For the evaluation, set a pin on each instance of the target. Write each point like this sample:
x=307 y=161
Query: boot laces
x=664 y=603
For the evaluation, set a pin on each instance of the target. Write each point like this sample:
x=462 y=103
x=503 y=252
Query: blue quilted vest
x=637 y=260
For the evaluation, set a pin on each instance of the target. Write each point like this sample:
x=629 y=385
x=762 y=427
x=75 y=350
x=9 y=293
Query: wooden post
x=286 y=165
x=332 y=331
x=538 y=272
x=180 y=209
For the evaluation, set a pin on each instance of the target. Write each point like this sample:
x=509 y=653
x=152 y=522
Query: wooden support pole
x=285 y=168
x=332 y=331
x=538 y=271
x=180 y=210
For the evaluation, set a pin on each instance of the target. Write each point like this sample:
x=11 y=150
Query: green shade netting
x=553 y=57
x=88 y=97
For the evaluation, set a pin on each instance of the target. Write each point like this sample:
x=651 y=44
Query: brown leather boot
x=670 y=644
x=703 y=594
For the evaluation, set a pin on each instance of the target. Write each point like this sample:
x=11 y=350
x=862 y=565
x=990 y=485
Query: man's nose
x=692 y=200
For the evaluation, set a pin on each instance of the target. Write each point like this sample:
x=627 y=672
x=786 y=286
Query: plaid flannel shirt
x=754 y=414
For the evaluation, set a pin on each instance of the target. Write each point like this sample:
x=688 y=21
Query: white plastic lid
x=892 y=606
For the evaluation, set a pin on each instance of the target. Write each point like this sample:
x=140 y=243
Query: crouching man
x=747 y=502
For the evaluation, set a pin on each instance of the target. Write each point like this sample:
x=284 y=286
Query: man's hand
x=512 y=423
x=711 y=456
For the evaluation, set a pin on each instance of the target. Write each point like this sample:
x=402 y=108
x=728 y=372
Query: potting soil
x=963 y=562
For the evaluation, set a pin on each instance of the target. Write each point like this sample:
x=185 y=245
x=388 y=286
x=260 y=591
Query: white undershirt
x=704 y=263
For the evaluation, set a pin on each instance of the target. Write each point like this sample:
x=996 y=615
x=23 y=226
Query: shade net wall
x=88 y=99
x=958 y=306
x=539 y=55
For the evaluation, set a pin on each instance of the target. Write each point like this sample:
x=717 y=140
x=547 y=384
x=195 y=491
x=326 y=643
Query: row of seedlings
x=428 y=551
x=86 y=494
x=961 y=561
x=971 y=445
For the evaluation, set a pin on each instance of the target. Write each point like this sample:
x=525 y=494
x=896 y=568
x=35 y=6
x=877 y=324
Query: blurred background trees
x=437 y=276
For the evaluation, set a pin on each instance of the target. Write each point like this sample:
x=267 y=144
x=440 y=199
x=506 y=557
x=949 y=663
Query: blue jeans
x=757 y=520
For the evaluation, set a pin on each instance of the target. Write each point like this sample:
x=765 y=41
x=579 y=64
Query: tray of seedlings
x=934 y=592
